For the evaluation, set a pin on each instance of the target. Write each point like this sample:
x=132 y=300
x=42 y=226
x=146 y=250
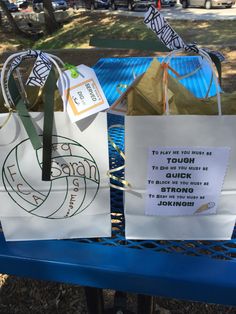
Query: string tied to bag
x=120 y=183
x=73 y=70
x=7 y=118
x=214 y=78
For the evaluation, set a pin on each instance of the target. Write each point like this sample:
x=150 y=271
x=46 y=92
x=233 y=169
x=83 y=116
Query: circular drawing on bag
x=74 y=181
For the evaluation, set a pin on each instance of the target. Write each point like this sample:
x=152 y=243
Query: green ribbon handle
x=49 y=93
x=35 y=139
x=21 y=108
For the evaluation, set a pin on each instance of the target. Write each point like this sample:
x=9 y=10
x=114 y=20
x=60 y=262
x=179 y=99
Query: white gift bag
x=75 y=202
x=163 y=203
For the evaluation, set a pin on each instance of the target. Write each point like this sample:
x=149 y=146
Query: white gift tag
x=83 y=95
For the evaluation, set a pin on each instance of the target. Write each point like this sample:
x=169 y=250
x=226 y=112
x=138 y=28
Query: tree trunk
x=10 y=18
x=50 y=21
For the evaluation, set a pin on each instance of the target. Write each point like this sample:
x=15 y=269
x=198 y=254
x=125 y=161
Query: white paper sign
x=185 y=180
x=83 y=95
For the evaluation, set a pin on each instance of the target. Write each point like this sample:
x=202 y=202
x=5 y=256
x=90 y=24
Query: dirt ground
x=26 y=296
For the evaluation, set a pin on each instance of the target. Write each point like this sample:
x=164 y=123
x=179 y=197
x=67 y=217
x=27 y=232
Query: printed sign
x=83 y=95
x=185 y=180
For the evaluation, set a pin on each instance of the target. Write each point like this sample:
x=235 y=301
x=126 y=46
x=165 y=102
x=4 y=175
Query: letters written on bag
x=75 y=201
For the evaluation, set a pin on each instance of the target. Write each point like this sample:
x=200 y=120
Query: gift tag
x=82 y=95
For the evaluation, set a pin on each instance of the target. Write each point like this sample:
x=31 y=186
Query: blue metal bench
x=192 y=270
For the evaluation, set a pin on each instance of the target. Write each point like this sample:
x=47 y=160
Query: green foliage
x=83 y=25
x=86 y=24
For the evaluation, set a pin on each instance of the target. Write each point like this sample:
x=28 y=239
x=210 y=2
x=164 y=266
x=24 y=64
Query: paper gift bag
x=74 y=202
x=150 y=132
x=182 y=172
